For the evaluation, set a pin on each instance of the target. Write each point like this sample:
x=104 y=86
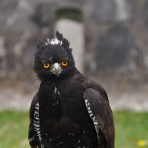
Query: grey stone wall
x=115 y=33
x=118 y=33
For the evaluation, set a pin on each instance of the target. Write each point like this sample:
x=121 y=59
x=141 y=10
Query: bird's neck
x=60 y=78
x=48 y=85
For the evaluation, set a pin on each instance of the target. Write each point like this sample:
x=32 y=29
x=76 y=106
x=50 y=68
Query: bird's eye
x=64 y=63
x=46 y=65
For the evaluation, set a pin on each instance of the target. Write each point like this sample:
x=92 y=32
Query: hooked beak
x=56 y=69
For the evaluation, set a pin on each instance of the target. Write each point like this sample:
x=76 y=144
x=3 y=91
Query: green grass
x=13 y=129
x=130 y=127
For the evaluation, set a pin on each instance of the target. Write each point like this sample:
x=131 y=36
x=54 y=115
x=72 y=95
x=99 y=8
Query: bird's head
x=53 y=57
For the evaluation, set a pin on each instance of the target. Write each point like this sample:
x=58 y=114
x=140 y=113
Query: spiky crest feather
x=57 y=40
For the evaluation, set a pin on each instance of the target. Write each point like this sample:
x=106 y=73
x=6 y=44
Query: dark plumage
x=69 y=110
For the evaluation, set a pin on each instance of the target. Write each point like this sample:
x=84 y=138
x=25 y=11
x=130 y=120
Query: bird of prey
x=69 y=110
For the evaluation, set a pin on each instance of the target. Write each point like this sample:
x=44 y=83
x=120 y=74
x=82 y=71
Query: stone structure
x=115 y=33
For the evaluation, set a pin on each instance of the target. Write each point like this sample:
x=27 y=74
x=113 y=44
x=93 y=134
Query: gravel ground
x=18 y=95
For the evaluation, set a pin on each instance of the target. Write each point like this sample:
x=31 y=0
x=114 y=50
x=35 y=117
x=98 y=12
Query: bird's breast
x=60 y=109
x=64 y=116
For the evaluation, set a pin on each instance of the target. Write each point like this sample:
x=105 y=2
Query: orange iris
x=46 y=65
x=64 y=63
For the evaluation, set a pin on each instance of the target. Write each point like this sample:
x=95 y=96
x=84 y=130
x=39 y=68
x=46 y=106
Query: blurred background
x=109 y=40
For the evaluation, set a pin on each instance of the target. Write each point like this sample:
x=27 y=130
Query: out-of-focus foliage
x=13 y=129
x=69 y=14
x=130 y=128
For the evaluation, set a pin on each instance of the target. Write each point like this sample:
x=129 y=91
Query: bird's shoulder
x=97 y=104
x=89 y=84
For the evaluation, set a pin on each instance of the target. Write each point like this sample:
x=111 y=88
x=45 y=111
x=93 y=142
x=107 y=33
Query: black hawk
x=69 y=110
